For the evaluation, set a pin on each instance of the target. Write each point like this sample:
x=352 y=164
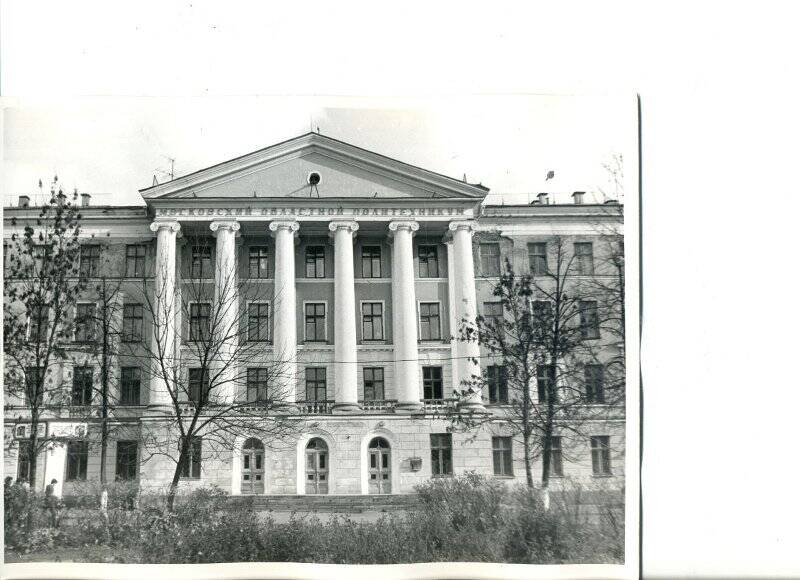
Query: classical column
x=344 y=348
x=404 y=318
x=284 y=335
x=165 y=311
x=225 y=310
x=465 y=305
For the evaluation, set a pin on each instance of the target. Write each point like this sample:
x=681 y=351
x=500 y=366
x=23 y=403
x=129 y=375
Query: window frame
x=41 y=374
x=259 y=258
x=432 y=381
x=581 y=258
x=92 y=330
x=537 y=262
x=372 y=261
x=91 y=259
x=373 y=382
x=125 y=387
x=324 y=321
x=600 y=446
x=502 y=456
x=541 y=387
x=40 y=329
x=316 y=261
x=136 y=260
x=382 y=317
x=597 y=396
x=204 y=385
x=79 y=392
x=441 y=454
x=129 y=465
x=316 y=381
x=191 y=317
x=428 y=261
x=556 y=456
x=589 y=318
x=77 y=450
x=493 y=318
x=194 y=254
x=258 y=384
x=138 y=321
x=438 y=304
x=259 y=303
x=501 y=385
x=486 y=271
x=194 y=462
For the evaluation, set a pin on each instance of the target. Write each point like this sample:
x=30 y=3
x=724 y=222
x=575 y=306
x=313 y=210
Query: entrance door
x=380 y=466
x=252 y=467
x=316 y=467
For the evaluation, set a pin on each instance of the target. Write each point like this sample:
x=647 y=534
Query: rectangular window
x=441 y=454
x=537 y=257
x=429 y=321
x=428 y=262
x=546 y=382
x=584 y=256
x=593 y=381
x=373 y=384
x=132 y=322
x=77 y=460
x=34 y=387
x=257 y=379
x=258 y=322
x=432 y=385
x=198 y=386
x=84 y=322
x=135 y=260
x=191 y=467
x=201 y=262
x=370 y=261
x=38 y=321
x=601 y=455
x=258 y=262
x=23 y=460
x=590 y=325
x=556 y=458
x=315 y=262
x=199 y=321
x=89 y=261
x=82 y=385
x=490 y=259
x=493 y=314
x=501 y=456
x=316 y=384
x=130 y=386
x=127 y=460
x=497 y=380
x=315 y=322
x=542 y=313
x=372 y=321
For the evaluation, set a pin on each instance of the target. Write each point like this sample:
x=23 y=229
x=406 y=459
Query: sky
x=112 y=147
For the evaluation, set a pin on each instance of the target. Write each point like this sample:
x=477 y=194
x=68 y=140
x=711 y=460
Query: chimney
x=24 y=201
x=85 y=199
x=577 y=197
x=542 y=198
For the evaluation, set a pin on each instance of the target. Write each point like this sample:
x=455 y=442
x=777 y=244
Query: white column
x=451 y=316
x=165 y=311
x=404 y=318
x=55 y=466
x=465 y=305
x=344 y=348
x=284 y=306
x=225 y=310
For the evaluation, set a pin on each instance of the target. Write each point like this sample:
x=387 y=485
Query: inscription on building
x=310 y=211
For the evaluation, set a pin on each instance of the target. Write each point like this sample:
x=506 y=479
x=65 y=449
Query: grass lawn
x=102 y=554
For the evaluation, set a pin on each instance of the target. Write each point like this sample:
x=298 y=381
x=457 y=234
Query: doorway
x=317 y=467
x=253 y=467
x=380 y=466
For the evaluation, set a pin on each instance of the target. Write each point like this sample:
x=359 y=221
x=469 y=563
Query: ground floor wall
x=348 y=468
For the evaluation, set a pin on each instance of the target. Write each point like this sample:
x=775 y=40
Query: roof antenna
x=465 y=178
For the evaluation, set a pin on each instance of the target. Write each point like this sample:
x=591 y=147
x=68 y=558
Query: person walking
x=51 y=502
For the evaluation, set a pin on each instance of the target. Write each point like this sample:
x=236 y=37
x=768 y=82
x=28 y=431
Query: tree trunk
x=104 y=391
x=526 y=438
x=176 y=477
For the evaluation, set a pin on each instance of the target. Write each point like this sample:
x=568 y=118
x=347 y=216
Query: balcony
x=315 y=407
x=439 y=406
x=379 y=405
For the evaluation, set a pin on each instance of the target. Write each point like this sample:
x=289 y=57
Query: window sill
x=442 y=475
x=496 y=476
x=602 y=475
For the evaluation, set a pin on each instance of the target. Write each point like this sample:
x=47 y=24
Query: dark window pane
x=432 y=383
x=490 y=259
x=371 y=261
x=258 y=262
x=428 y=262
x=315 y=262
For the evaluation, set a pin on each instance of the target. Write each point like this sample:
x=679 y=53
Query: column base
x=408 y=407
x=346 y=408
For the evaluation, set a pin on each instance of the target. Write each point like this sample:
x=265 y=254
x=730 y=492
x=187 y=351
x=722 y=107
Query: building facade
x=358 y=271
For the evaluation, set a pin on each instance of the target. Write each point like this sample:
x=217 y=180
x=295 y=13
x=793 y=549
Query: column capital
x=468 y=225
x=401 y=225
x=173 y=226
x=349 y=225
x=291 y=225
x=231 y=225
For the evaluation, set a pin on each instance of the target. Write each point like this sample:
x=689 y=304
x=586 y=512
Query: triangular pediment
x=282 y=171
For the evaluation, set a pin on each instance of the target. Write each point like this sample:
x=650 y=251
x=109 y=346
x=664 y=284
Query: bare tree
x=547 y=335
x=215 y=374
x=41 y=290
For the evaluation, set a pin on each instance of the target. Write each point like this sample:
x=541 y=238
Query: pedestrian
x=51 y=502
x=7 y=483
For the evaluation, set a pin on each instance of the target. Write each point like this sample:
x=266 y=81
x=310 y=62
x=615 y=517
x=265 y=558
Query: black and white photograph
x=347 y=345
